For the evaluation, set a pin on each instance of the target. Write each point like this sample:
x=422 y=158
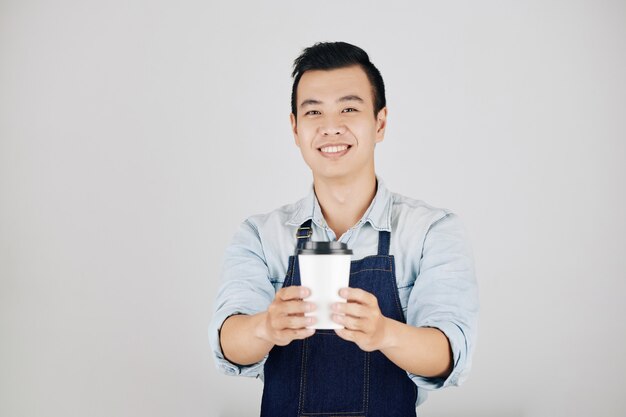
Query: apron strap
x=303 y=234
x=384 y=238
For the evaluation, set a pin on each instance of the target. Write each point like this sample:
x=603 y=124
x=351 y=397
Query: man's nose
x=332 y=127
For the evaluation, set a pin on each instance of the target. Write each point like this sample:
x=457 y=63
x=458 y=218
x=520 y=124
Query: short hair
x=334 y=55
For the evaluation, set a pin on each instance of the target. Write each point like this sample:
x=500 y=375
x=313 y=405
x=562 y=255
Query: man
x=410 y=320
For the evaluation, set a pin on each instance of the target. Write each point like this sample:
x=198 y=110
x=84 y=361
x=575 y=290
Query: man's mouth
x=335 y=151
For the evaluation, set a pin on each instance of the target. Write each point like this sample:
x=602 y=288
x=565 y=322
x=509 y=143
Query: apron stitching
x=367 y=384
x=292 y=261
x=302 y=377
x=371 y=269
x=364 y=382
x=396 y=295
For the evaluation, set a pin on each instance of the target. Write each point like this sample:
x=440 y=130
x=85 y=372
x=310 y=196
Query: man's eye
x=350 y=110
x=312 y=112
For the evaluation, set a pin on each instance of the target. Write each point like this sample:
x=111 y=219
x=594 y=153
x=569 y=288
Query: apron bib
x=326 y=376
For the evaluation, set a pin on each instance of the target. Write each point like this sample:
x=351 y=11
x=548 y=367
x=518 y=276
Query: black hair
x=334 y=55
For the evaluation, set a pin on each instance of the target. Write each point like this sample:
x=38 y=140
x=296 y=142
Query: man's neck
x=343 y=202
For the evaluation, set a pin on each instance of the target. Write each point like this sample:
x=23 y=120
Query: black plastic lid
x=325 y=248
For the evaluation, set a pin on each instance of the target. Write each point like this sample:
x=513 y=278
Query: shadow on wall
x=490 y=413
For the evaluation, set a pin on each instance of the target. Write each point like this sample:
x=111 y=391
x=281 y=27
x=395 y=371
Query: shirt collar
x=378 y=214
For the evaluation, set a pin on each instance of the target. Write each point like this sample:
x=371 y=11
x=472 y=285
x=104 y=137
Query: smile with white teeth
x=334 y=149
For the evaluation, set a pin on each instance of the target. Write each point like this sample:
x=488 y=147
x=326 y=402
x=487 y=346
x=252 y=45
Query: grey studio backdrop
x=136 y=136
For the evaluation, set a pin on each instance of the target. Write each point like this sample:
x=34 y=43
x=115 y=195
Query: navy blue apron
x=324 y=375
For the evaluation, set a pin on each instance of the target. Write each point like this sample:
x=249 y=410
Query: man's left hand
x=364 y=323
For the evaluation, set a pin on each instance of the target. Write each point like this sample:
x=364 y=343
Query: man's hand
x=284 y=319
x=420 y=350
x=364 y=323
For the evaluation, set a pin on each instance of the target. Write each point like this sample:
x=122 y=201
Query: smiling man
x=410 y=321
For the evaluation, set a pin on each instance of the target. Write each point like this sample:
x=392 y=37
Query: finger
x=292 y=322
x=358 y=295
x=349 y=335
x=295 y=307
x=286 y=336
x=352 y=309
x=301 y=334
x=295 y=292
x=350 y=323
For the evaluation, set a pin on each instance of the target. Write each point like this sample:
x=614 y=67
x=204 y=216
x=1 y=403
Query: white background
x=136 y=135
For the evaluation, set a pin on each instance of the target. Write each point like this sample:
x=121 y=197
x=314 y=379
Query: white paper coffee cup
x=324 y=269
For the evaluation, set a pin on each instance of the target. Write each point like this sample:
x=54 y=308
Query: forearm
x=421 y=351
x=240 y=340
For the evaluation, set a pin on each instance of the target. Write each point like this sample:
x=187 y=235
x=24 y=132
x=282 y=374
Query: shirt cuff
x=224 y=365
x=459 y=354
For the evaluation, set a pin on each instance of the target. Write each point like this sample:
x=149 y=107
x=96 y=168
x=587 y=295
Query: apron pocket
x=335 y=376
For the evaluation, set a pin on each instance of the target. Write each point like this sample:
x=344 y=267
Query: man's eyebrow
x=310 y=102
x=350 y=97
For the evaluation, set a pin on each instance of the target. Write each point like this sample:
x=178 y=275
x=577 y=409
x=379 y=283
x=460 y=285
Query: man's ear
x=294 y=128
x=381 y=124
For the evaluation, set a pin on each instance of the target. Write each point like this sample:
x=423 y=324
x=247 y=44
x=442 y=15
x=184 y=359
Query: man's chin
x=334 y=175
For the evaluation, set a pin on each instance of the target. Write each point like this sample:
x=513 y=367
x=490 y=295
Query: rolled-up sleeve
x=445 y=296
x=245 y=289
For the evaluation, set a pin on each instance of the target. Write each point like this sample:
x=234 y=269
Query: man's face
x=336 y=128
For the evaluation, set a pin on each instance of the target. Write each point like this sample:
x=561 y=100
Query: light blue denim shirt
x=433 y=260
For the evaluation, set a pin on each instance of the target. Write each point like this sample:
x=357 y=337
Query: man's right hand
x=284 y=319
x=245 y=339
